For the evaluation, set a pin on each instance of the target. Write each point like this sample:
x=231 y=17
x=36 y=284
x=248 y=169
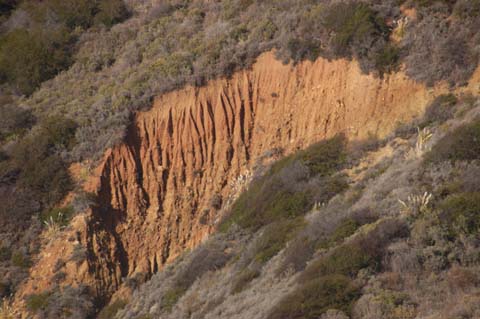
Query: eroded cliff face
x=162 y=190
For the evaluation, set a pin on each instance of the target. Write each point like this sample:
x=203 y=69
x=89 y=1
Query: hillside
x=201 y=159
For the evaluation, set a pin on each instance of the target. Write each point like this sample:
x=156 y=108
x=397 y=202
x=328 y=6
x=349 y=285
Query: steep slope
x=162 y=190
x=400 y=241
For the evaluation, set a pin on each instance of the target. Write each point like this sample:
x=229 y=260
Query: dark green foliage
x=460 y=145
x=283 y=192
x=21 y=260
x=5 y=290
x=5 y=253
x=314 y=298
x=111 y=310
x=326 y=157
x=243 y=279
x=60 y=216
x=111 y=12
x=460 y=214
x=387 y=59
x=171 y=297
x=28 y=58
x=14 y=121
x=353 y=23
x=346 y=228
x=41 y=169
x=345 y=260
x=7 y=5
x=31 y=56
x=37 y=302
x=440 y=110
x=274 y=238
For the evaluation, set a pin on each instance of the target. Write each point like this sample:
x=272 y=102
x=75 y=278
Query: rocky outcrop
x=162 y=190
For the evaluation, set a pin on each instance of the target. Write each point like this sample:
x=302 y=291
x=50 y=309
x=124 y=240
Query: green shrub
x=37 y=302
x=274 y=238
x=282 y=193
x=41 y=170
x=387 y=59
x=440 y=110
x=326 y=157
x=460 y=213
x=111 y=12
x=353 y=23
x=346 y=228
x=460 y=145
x=243 y=279
x=5 y=253
x=317 y=296
x=60 y=216
x=27 y=58
x=20 y=260
x=14 y=121
x=171 y=297
x=111 y=310
x=345 y=260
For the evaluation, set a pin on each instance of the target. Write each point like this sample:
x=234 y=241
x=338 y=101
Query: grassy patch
x=171 y=297
x=314 y=298
x=346 y=228
x=244 y=278
x=345 y=260
x=37 y=302
x=60 y=216
x=460 y=145
x=460 y=213
x=440 y=110
x=20 y=260
x=111 y=310
x=274 y=238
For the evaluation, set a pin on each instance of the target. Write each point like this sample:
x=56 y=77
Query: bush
x=459 y=145
x=5 y=253
x=171 y=297
x=345 y=260
x=352 y=22
x=274 y=238
x=42 y=171
x=111 y=12
x=284 y=193
x=346 y=228
x=27 y=58
x=243 y=279
x=111 y=310
x=440 y=110
x=67 y=302
x=21 y=260
x=314 y=298
x=387 y=59
x=460 y=213
x=14 y=121
x=59 y=216
x=208 y=257
x=37 y=302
